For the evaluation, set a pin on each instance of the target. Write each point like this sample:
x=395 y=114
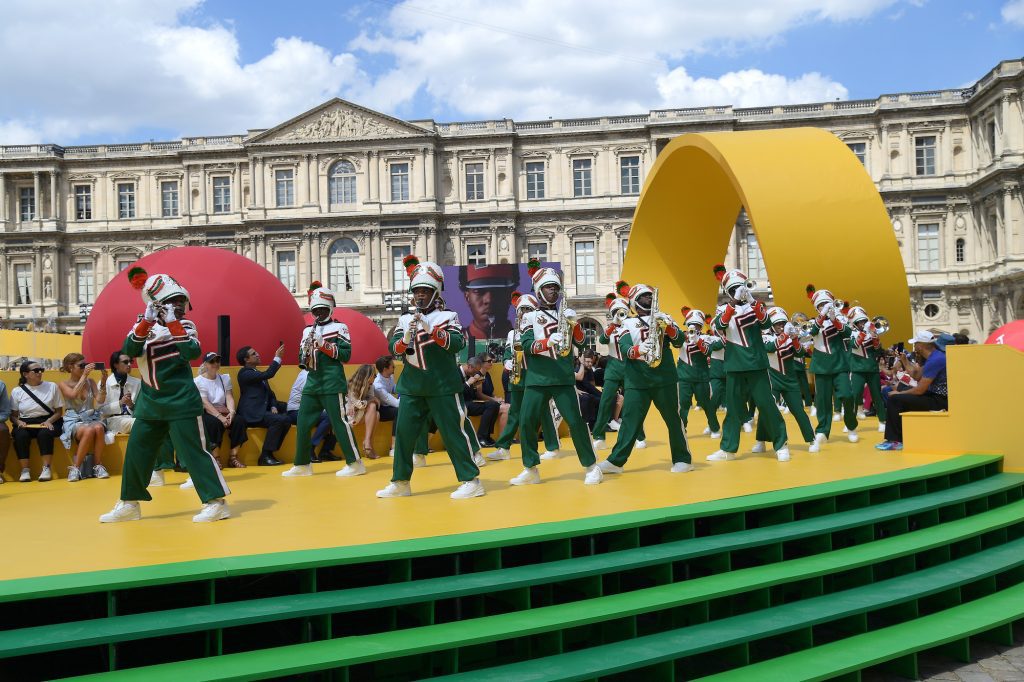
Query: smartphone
x=899 y=346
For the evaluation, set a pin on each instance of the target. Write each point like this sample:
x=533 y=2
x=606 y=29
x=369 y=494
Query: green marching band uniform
x=324 y=349
x=716 y=363
x=430 y=384
x=513 y=356
x=742 y=323
x=694 y=372
x=830 y=364
x=169 y=404
x=551 y=376
x=614 y=369
x=649 y=379
x=865 y=352
x=784 y=351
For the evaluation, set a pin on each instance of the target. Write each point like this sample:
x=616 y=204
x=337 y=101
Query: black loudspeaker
x=224 y=339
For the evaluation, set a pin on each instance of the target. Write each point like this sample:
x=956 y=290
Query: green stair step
x=300 y=658
x=54 y=637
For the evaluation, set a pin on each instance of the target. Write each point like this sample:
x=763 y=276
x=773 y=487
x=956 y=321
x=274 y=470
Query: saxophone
x=657 y=328
x=565 y=329
x=306 y=349
x=515 y=375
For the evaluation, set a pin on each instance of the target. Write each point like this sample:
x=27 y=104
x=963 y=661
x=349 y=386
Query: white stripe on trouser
x=463 y=417
x=343 y=411
x=213 y=460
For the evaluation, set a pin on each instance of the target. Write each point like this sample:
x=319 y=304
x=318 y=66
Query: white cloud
x=1013 y=12
x=748 y=88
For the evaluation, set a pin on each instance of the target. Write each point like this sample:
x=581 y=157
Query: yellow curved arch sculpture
x=817 y=216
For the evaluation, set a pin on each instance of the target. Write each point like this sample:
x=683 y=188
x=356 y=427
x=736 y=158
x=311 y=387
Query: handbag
x=58 y=425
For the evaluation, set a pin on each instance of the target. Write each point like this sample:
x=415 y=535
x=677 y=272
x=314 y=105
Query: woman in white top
x=36 y=408
x=219 y=410
x=83 y=420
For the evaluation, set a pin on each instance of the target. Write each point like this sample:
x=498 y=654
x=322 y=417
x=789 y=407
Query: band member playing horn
x=830 y=365
x=742 y=323
x=324 y=349
x=716 y=371
x=515 y=362
x=548 y=341
x=430 y=385
x=647 y=344
x=864 y=356
x=783 y=346
x=614 y=371
x=693 y=371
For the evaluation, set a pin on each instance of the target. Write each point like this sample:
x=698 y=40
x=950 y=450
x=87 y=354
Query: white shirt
x=47 y=392
x=295 y=396
x=384 y=389
x=112 y=407
x=213 y=390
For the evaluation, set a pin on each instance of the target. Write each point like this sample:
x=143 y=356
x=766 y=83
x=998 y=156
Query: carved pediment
x=339 y=120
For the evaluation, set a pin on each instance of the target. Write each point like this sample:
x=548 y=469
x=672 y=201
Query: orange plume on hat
x=609 y=299
x=622 y=288
x=685 y=310
x=516 y=295
x=810 y=291
x=409 y=263
x=313 y=286
x=719 y=271
x=137 y=276
x=532 y=266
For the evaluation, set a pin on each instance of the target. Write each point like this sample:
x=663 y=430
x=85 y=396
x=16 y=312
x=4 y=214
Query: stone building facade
x=340 y=193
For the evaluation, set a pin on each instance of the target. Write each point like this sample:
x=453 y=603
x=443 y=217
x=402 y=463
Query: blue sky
x=106 y=72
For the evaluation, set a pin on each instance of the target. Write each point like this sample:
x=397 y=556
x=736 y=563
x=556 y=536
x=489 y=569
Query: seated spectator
x=589 y=394
x=219 y=411
x=485 y=390
x=323 y=434
x=257 y=404
x=387 y=399
x=930 y=392
x=5 y=434
x=487 y=410
x=83 y=421
x=36 y=408
x=361 y=405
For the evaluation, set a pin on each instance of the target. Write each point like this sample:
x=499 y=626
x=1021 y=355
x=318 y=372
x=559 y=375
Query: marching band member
x=783 y=346
x=548 y=342
x=746 y=363
x=716 y=371
x=169 y=403
x=324 y=349
x=650 y=377
x=430 y=385
x=830 y=365
x=693 y=371
x=864 y=356
x=523 y=303
x=614 y=371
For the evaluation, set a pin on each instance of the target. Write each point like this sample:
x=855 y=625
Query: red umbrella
x=1010 y=334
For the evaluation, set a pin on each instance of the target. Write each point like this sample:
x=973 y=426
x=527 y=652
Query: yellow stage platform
x=53 y=526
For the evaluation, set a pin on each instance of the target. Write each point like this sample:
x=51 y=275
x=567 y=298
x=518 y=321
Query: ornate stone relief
x=342 y=124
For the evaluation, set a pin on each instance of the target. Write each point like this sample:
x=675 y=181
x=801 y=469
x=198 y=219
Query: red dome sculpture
x=1010 y=334
x=368 y=341
x=263 y=312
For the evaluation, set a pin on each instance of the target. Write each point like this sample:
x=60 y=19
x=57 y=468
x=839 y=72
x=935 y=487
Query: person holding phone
x=83 y=419
x=257 y=404
x=36 y=408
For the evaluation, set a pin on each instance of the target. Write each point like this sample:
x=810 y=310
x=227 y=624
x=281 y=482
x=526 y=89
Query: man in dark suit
x=257 y=404
x=477 y=404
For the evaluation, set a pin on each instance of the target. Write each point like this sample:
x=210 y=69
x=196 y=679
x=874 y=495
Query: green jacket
x=744 y=346
x=327 y=366
x=431 y=361
x=164 y=356
x=830 y=351
x=864 y=354
x=783 y=366
x=693 y=365
x=639 y=374
x=546 y=368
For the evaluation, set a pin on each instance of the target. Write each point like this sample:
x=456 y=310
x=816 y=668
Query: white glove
x=152 y=312
x=169 y=315
x=791 y=330
x=647 y=346
x=666 y=318
x=508 y=365
x=555 y=339
x=408 y=333
x=570 y=315
x=426 y=326
x=831 y=312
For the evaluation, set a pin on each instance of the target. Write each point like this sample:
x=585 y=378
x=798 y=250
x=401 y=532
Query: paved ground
x=992 y=663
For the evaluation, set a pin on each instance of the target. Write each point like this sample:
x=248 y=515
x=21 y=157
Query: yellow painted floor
x=52 y=528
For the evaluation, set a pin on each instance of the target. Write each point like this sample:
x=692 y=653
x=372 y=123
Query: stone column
x=37 y=276
x=554 y=187
x=184 y=195
x=1008 y=245
x=317 y=261
x=142 y=202
x=202 y=191
x=265 y=252
x=37 y=197
x=302 y=180
x=257 y=180
x=236 y=189
x=423 y=175
x=372 y=173
x=309 y=262
x=3 y=200
x=428 y=169
x=314 y=182
x=946 y=153
x=53 y=195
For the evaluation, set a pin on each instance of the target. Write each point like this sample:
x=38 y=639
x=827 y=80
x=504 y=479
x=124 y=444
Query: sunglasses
x=37 y=370
x=213 y=361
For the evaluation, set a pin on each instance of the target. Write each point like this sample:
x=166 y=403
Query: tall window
x=623 y=245
x=86 y=282
x=399 y=181
x=286 y=269
x=284 y=187
x=123 y=265
x=399 y=277
x=474 y=181
x=582 y=169
x=629 y=173
x=222 y=194
x=538 y=250
x=990 y=133
x=535 y=180
x=83 y=202
x=586 y=275
x=343 y=265
x=755 y=261
x=476 y=254
x=928 y=246
x=27 y=203
x=924 y=154
x=169 y=198
x=961 y=250
x=23 y=283
x=125 y=200
x=341 y=183
x=591 y=330
x=860 y=150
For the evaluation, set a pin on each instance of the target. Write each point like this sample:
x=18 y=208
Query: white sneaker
x=836 y=416
x=681 y=467
x=26 y=475
x=609 y=468
x=594 y=475
x=820 y=438
x=783 y=454
x=814 y=410
x=881 y=427
x=100 y=471
x=109 y=437
x=641 y=444
x=758 y=446
x=721 y=456
x=499 y=455
x=814 y=446
x=696 y=408
x=549 y=454
x=419 y=461
x=124 y=510
x=707 y=431
x=478 y=460
x=614 y=425
x=527 y=476
x=852 y=436
x=45 y=475
x=748 y=426
x=715 y=435
x=188 y=484
x=846 y=429
x=215 y=510
x=356 y=468
x=298 y=470
x=74 y=474
x=391 y=452
x=600 y=444
x=396 y=489
x=860 y=414
x=157 y=479
x=469 y=489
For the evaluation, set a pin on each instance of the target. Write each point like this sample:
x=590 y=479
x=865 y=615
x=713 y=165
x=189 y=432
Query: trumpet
x=879 y=325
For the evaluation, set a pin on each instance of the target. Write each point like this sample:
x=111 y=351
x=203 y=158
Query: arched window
x=961 y=250
x=341 y=183
x=343 y=266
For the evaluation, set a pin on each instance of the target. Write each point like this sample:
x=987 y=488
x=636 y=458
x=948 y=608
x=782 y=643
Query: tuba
x=657 y=330
x=879 y=325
